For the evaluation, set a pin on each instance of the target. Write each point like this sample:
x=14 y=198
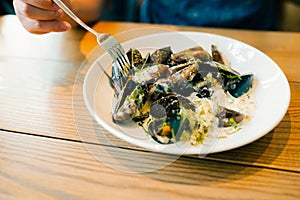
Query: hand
x=41 y=16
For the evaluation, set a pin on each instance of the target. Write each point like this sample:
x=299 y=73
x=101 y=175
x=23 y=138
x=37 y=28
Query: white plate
x=272 y=92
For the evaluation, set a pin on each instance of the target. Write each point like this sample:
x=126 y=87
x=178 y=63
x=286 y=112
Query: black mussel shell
x=238 y=85
x=161 y=56
x=135 y=57
x=176 y=126
x=228 y=117
x=191 y=54
x=126 y=110
x=169 y=103
x=159 y=91
x=182 y=87
x=216 y=54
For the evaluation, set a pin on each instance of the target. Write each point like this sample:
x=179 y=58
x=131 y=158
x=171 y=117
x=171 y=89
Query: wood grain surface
x=48 y=153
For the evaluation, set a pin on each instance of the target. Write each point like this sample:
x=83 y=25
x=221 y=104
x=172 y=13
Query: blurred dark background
x=127 y=10
x=6 y=7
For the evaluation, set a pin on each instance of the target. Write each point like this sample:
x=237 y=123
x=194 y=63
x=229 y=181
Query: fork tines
x=120 y=59
x=116 y=51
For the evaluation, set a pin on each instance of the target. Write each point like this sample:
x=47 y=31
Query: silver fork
x=109 y=43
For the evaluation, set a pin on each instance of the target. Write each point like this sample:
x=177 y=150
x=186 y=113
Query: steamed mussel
x=180 y=96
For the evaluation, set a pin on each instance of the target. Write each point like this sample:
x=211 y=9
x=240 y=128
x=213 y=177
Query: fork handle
x=75 y=18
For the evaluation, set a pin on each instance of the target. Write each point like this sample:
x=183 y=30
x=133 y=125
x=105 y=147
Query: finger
x=36 y=13
x=44 y=26
x=40 y=14
x=42 y=4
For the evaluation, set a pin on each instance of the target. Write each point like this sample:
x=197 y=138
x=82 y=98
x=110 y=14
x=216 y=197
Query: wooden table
x=42 y=156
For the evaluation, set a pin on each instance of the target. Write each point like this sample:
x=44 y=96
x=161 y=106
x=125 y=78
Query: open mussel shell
x=216 y=55
x=228 y=117
x=135 y=57
x=196 y=53
x=239 y=85
x=234 y=83
x=167 y=124
x=130 y=102
x=168 y=130
x=161 y=56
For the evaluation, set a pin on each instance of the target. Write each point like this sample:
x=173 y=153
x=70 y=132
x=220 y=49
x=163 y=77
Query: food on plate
x=182 y=96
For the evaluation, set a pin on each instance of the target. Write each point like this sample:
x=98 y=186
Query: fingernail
x=66 y=26
x=59 y=13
